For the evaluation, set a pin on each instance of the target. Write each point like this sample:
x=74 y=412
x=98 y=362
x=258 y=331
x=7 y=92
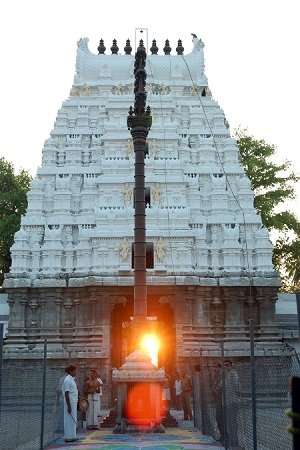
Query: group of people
x=90 y=400
x=71 y=401
x=183 y=393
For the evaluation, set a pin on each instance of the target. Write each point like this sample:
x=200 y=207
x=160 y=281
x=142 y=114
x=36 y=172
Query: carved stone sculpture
x=124 y=249
x=160 y=250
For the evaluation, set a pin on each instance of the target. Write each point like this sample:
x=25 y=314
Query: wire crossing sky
x=251 y=55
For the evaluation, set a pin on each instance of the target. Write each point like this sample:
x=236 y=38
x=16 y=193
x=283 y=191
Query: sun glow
x=150 y=345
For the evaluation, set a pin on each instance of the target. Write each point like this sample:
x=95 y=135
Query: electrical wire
x=195 y=88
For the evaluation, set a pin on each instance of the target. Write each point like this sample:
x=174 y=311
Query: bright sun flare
x=150 y=345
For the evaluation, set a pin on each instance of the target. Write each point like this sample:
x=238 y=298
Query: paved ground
x=173 y=439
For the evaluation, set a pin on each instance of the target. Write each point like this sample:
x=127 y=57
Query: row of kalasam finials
x=128 y=49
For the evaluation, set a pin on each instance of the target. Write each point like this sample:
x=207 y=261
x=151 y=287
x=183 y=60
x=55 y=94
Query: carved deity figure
x=127 y=194
x=129 y=147
x=195 y=90
x=198 y=43
x=83 y=44
x=154 y=148
x=118 y=90
x=85 y=90
x=124 y=249
x=160 y=250
x=156 y=194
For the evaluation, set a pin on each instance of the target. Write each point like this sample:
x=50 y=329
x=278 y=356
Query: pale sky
x=252 y=51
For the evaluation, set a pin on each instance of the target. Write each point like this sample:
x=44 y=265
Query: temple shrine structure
x=209 y=259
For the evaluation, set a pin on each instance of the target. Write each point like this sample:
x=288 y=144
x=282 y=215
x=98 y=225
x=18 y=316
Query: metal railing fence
x=242 y=402
x=31 y=402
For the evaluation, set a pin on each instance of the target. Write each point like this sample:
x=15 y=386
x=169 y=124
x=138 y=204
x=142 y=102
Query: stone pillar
x=23 y=313
x=201 y=302
x=95 y=305
x=54 y=299
x=189 y=303
x=251 y=307
x=17 y=301
x=67 y=314
x=233 y=312
x=68 y=308
x=58 y=309
x=217 y=311
x=266 y=298
x=34 y=306
x=180 y=320
x=76 y=302
x=93 y=298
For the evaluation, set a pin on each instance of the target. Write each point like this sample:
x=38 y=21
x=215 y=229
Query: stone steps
x=110 y=420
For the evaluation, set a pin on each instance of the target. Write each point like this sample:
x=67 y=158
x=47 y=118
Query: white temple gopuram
x=71 y=278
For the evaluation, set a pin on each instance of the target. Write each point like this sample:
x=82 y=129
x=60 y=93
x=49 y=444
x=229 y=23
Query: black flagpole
x=139 y=122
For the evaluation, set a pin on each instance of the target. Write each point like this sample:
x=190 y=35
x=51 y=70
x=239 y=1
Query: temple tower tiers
x=72 y=258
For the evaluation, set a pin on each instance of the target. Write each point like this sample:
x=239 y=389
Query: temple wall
x=77 y=317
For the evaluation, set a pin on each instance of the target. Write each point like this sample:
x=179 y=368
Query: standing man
x=178 y=391
x=233 y=392
x=92 y=390
x=70 y=394
x=216 y=383
x=186 y=396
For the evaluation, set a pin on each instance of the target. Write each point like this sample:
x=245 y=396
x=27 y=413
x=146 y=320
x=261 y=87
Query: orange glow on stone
x=144 y=405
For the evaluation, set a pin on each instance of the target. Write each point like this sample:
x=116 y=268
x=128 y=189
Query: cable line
x=250 y=276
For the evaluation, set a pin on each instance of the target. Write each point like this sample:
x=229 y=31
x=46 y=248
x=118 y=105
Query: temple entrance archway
x=165 y=329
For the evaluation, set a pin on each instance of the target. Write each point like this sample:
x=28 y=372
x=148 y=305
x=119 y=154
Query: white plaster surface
x=201 y=219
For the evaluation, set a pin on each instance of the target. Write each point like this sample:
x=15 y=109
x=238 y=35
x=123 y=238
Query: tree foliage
x=13 y=204
x=273 y=185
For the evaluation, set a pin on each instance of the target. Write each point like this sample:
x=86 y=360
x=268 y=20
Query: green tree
x=13 y=204
x=274 y=184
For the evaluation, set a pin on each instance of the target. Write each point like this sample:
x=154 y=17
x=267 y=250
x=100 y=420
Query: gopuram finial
x=114 y=48
x=101 y=47
x=179 y=48
x=154 y=48
x=128 y=48
x=167 y=48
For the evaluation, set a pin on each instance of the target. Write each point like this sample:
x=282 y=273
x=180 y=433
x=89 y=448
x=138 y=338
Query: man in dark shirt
x=186 y=384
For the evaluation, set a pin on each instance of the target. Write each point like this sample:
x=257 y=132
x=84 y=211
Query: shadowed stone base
x=124 y=427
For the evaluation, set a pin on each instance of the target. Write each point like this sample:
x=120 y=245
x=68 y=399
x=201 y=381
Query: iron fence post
x=43 y=396
x=253 y=384
x=194 y=398
x=1 y=363
x=295 y=391
x=201 y=391
x=224 y=395
x=298 y=311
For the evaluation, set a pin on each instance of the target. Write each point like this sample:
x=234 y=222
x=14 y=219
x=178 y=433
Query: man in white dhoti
x=70 y=394
x=92 y=390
